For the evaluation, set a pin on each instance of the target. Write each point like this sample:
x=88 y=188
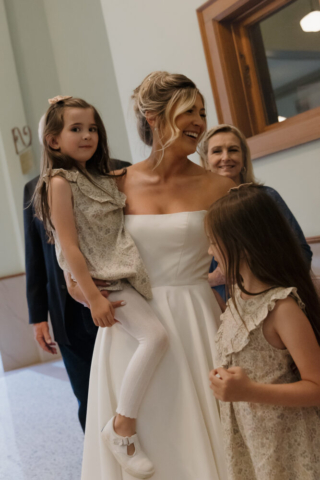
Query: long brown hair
x=247 y=225
x=52 y=159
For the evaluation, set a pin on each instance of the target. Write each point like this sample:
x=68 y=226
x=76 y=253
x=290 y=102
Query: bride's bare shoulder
x=128 y=175
x=218 y=186
x=120 y=176
x=133 y=169
x=220 y=180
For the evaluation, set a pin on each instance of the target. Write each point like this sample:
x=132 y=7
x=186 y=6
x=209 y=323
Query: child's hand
x=102 y=312
x=232 y=385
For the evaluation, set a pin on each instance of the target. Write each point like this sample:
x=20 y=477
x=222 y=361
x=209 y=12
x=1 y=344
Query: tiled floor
x=40 y=436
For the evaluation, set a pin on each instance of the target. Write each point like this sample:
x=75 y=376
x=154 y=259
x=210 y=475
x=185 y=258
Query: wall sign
x=22 y=143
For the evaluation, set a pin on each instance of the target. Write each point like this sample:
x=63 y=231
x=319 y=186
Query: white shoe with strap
x=137 y=464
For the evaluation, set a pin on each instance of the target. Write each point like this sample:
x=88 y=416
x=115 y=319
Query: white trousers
x=138 y=320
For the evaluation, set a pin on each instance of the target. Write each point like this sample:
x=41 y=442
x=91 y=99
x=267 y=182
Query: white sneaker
x=137 y=464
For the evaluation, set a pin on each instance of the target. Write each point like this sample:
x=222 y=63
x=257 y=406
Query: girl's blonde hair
x=53 y=124
x=247 y=175
x=166 y=96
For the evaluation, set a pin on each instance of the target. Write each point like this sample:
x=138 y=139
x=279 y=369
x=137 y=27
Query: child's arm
x=60 y=200
x=295 y=331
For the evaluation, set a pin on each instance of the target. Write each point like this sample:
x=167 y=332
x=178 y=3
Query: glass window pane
x=288 y=61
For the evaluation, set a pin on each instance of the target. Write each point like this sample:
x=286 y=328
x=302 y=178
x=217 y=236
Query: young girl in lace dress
x=82 y=210
x=268 y=379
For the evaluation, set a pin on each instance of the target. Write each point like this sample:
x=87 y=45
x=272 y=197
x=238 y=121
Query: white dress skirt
x=178 y=422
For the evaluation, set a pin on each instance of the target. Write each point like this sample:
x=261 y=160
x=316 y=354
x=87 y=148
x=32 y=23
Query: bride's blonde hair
x=166 y=96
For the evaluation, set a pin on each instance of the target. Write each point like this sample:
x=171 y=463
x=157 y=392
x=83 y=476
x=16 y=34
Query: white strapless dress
x=178 y=423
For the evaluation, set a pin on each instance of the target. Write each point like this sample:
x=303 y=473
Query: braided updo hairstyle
x=166 y=96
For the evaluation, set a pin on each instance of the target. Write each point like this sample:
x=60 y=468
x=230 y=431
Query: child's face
x=215 y=252
x=79 y=137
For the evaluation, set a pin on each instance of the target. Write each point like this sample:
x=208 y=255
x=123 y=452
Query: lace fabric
x=264 y=442
x=108 y=248
x=235 y=330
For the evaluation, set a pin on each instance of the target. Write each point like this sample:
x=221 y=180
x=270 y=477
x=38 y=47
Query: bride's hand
x=76 y=293
x=101 y=283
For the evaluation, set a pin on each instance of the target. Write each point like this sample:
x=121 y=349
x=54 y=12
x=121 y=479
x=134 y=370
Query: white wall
x=295 y=174
x=84 y=64
x=10 y=248
x=35 y=63
x=62 y=48
x=11 y=177
x=147 y=35
x=48 y=48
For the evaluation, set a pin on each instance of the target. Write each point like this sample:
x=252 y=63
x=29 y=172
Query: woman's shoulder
x=121 y=171
x=282 y=205
x=225 y=182
x=120 y=176
x=133 y=175
x=272 y=193
x=218 y=186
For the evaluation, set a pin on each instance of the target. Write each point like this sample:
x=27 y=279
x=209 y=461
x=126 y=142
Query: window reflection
x=288 y=62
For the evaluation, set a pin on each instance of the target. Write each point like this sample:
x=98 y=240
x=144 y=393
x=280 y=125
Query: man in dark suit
x=73 y=327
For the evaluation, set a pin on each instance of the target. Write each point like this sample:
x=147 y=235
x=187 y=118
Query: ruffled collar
x=99 y=188
x=234 y=332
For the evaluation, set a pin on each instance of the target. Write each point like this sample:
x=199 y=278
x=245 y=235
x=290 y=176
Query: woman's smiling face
x=225 y=155
x=191 y=124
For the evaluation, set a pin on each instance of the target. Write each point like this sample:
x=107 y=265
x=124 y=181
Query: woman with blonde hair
x=224 y=150
x=167 y=199
x=245 y=173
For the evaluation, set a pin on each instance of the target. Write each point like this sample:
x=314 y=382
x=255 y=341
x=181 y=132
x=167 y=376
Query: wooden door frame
x=235 y=85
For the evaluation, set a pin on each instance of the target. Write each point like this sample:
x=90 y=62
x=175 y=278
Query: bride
x=167 y=198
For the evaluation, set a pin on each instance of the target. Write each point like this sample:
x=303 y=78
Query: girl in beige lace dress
x=82 y=210
x=268 y=382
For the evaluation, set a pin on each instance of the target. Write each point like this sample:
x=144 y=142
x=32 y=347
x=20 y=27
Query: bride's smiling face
x=191 y=125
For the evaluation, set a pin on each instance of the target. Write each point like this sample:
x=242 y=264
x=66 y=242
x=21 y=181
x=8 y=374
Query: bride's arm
x=76 y=293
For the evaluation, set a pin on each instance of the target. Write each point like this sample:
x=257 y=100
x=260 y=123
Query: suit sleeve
x=36 y=276
x=306 y=250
